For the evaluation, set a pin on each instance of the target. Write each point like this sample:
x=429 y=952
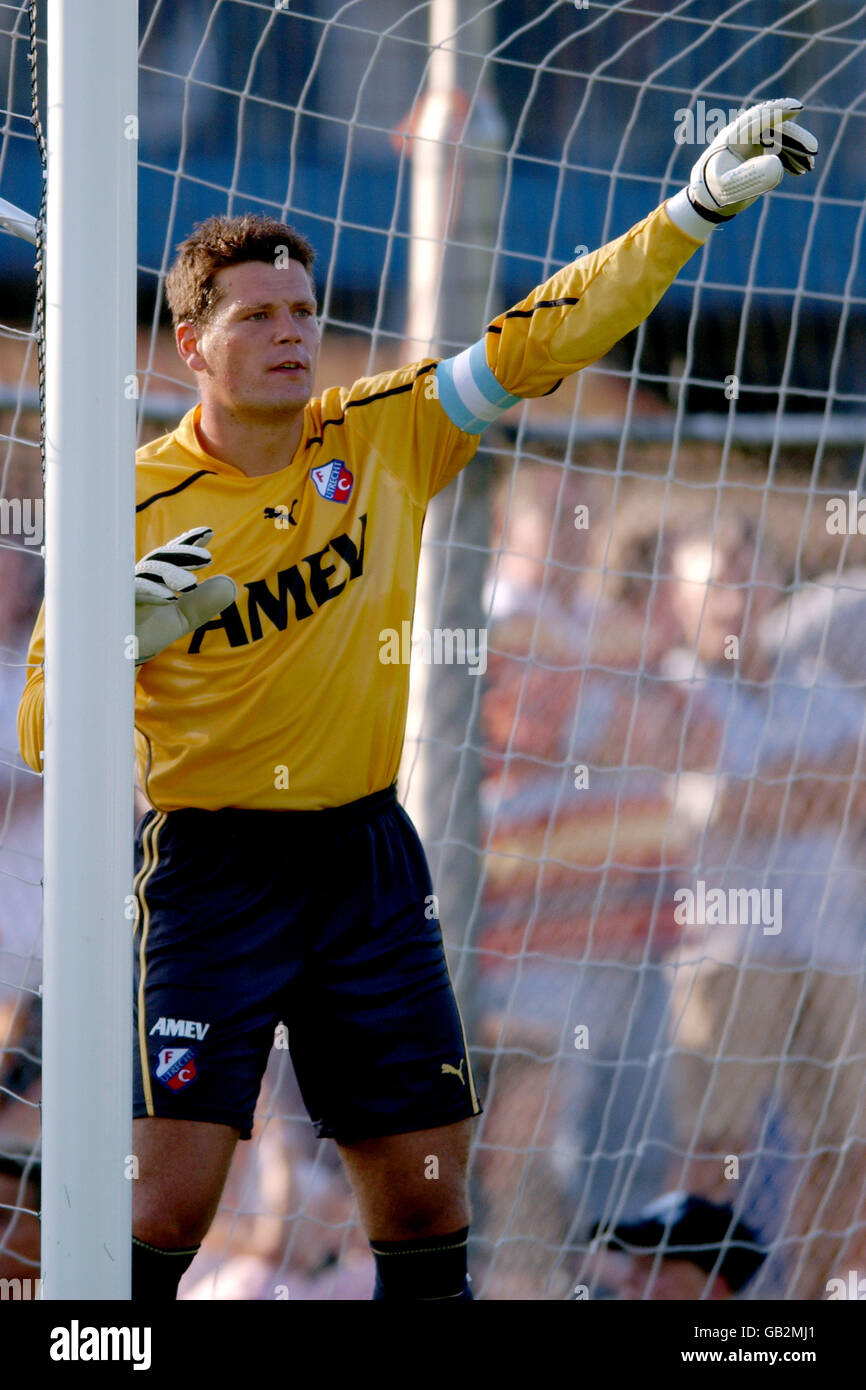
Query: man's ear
x=186 y=337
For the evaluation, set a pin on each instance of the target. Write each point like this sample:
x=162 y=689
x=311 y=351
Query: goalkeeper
x=277 y=878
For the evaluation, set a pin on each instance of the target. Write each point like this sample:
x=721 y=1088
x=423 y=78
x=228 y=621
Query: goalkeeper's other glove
x=746 y=159
x=168 y=601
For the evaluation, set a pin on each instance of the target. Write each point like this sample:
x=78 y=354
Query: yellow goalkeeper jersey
x=291 y=699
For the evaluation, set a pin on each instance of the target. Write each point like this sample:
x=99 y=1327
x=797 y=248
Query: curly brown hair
x=220 y=242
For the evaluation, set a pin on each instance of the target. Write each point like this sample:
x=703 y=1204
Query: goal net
x=644 y=806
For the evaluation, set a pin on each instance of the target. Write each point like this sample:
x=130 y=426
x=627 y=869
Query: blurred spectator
x=710 y=756
x=306 y=1246
x=20 y=1176
x=21 y=1070
x=768 y=1024
x=680 y=1247
x=571 y=984
x=287 y=1227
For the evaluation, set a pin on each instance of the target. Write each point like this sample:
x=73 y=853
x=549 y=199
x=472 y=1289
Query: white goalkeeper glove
x=746 y=159
x=168 y=601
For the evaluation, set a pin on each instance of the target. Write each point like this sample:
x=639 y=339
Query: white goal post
x=90 y=262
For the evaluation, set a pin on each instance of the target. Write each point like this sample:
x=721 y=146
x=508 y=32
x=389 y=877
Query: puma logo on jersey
x=455 y=1071
x=179 y=1028
x=282 y=513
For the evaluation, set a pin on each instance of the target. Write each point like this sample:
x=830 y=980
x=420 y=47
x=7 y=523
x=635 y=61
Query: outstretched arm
x=577 y=316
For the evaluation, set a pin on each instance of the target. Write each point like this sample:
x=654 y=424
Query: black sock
x=433 y=1267
x=157 y=1273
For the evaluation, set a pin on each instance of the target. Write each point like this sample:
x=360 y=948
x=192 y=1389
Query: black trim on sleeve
x=542 y=304
x=170 y=492
x=368 y=400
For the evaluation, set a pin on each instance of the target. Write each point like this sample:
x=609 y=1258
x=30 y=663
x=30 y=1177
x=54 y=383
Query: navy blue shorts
x=322 y=921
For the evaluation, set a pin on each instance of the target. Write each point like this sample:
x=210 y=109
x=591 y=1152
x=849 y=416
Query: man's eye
x=259 y=314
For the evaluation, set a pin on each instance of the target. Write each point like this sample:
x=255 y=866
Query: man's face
x=257 y=353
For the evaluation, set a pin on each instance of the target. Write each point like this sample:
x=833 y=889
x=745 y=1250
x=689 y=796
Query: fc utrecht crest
x=333 y=481
x=176 y=1067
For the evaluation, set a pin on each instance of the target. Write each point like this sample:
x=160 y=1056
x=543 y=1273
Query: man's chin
x=277 y=403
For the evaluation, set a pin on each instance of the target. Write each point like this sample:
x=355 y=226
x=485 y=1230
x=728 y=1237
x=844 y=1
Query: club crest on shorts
x=333 y=481
x=176 y=1067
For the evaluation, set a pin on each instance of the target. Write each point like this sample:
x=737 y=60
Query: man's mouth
x=290 y=365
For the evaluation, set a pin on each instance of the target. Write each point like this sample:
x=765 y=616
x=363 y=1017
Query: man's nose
x=287 y=328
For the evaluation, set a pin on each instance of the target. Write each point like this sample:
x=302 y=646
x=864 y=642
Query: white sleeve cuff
x=683 y=215
x=469 y=393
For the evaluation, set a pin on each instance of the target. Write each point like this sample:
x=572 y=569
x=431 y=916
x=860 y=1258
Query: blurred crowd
x=674 y=694
x=670 y=705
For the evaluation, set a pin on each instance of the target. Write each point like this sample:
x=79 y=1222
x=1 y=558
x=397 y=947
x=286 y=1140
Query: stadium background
x=575 y=924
